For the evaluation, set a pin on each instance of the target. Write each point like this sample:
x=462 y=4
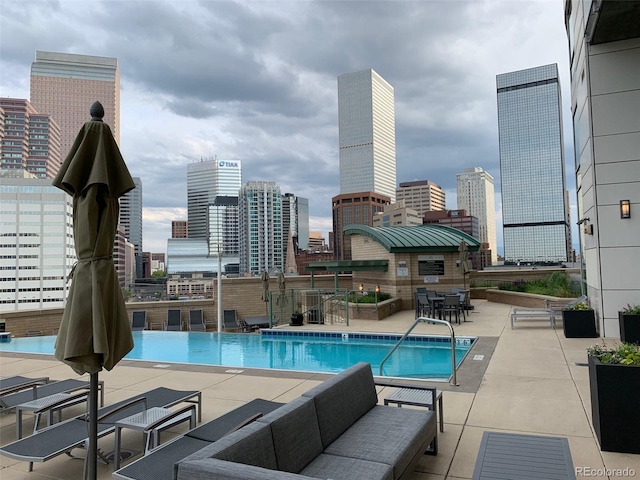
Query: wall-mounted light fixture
x=625 y=209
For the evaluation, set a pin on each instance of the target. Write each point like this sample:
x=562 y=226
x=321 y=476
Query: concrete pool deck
x=527 y=382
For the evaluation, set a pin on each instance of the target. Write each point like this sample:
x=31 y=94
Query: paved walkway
x=529 y=383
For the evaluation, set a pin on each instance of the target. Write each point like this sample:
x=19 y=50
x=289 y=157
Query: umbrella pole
x=92 y=454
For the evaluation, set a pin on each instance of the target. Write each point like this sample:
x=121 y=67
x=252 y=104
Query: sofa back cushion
x=342 y=400
x=251 y=445
x=295 y=433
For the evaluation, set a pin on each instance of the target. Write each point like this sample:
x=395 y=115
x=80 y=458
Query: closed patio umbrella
x=265 y=288
x=95 y=331
x=281 y=300
x=463 y=264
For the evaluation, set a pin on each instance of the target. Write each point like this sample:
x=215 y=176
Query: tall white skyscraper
x=206 y=180
x=367 y=134
x=261 y=242
x=476 y=195
x=37 y=250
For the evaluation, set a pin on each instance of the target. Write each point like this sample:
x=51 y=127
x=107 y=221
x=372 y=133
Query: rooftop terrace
x=529 y=381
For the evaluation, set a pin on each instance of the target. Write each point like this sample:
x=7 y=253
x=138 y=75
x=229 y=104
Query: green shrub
x=370 y=297
x=556 y=285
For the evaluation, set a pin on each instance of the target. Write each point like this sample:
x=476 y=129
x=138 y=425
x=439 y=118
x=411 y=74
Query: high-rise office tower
x=534 y=213
x=65 y=85
x=131 y=220
x=261 y=243
x=29 y=140
x=476 y=195
x=206 y=180
x=37 y=250
x=367 y=134
x=353 y=208
x=421 y=195
x=604 y=47
x=295 y=221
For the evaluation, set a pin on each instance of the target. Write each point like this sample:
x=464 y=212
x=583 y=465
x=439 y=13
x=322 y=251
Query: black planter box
x=296 y=319
x=579 y=324
x=615 y=390
x=629 y=327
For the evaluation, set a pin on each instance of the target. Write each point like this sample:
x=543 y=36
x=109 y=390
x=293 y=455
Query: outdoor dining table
x=436 y=304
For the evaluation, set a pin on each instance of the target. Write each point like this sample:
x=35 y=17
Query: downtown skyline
x=257 y=82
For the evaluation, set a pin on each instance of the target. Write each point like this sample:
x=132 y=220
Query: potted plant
x=297 y=317
x=579 y=321
x=629 y=319
x=614 y=383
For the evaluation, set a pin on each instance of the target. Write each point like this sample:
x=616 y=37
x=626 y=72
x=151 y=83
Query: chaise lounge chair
x=17 y=383
x=139 y=320
x=230 y=320
x=65 y=436
x=174 y=320
x=158 y=464
x=10 y=401
x=196 y=322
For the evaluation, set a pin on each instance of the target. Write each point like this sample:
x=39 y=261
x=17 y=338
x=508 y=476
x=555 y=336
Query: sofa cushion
x=342 y=400
x=252 y=445
x=343 y=468
x=387 y=435
x=295 y=433
x=210 y=468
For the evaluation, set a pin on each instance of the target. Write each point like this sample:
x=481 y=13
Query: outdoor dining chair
x=451 y=305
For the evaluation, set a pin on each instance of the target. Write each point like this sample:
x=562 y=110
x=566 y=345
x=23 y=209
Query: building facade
x=421 y=195
x=367 y=135
x=65 y=85
x=534 y=211
x=396 y=214
x=476 y=195
x=179 y=229
x=120 y=256
x=206 y=180
x=604 y=46
x=260 y=220
x=295 y=222
x=36 y=244
x=353 y=208
x=131 y=220
x=28 y=140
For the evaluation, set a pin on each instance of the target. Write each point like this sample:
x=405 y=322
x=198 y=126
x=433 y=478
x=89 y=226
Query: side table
x=151 y=422
x=420 y=398
x=49 y=404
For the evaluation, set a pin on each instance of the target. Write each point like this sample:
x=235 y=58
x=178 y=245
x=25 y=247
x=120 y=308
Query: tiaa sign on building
x=228 y=164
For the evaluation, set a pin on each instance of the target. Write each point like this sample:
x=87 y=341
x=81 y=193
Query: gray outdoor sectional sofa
x=334 y=431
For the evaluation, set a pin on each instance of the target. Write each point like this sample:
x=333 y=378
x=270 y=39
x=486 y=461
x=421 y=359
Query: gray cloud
x=256 y=81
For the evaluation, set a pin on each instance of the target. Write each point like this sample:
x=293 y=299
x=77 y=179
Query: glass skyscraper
x=534 y=209
x=131 y=220
x=367 y=134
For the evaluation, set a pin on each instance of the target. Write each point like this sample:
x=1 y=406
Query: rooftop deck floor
x=527 y=382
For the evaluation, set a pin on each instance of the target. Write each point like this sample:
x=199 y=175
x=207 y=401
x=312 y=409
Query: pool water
x=419 y=356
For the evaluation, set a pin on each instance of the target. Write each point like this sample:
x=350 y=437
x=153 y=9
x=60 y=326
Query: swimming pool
x=419 y=356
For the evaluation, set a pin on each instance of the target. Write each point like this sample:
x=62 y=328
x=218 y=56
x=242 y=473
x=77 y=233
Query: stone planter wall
x=520 y=299
x=369 y=311
x=615 y=390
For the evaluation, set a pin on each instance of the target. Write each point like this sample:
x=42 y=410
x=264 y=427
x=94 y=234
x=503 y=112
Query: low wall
x=371 y=311
x=242 y=294
x=520 y=299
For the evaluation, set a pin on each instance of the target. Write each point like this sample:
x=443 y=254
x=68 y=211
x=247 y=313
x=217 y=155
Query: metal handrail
x=454 y=380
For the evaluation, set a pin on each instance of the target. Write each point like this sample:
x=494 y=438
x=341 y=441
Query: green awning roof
x=349 y=266
x=417 y=239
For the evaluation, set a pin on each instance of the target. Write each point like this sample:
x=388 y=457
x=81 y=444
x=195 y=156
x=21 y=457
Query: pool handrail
x=454 y=380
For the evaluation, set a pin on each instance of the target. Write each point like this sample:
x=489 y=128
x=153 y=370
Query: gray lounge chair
x=230 y=320
x=139 y=320
x=174 y=320
x=196 y=321
x=158 y=464
x=17 y=383
x=65 y=436
x=10 y=401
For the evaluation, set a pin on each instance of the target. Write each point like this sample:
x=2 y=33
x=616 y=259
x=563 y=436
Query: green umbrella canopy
x=95 y=331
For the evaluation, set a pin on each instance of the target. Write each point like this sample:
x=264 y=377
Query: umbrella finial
x=96 y=111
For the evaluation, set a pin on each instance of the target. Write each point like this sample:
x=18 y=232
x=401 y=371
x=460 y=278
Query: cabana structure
x=400 y=259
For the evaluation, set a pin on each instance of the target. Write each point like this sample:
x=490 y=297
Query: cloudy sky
x=256 y=81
